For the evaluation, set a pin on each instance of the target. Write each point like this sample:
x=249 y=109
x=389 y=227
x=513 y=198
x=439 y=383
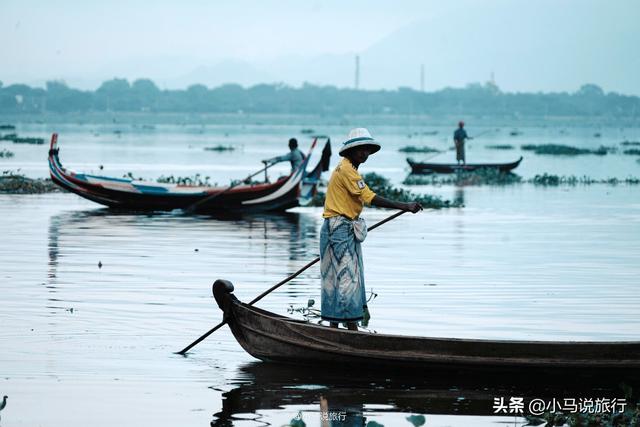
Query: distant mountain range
x=526 y=47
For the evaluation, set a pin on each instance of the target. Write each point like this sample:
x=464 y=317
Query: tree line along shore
x=143 y=95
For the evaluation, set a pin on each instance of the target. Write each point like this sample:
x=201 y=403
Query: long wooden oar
x=277 y=285
x=193 y=206
x=481 y=133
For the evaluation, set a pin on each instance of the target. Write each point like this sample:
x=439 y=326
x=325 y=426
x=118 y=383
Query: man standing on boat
x=294 y=156
x=459 y=137
x=343 y=298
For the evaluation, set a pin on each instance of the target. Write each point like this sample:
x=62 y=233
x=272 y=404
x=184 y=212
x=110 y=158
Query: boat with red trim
x=136 y=195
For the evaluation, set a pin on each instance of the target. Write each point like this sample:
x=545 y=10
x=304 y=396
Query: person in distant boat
x=343 y=298
x=294 y=156
x=459 y=137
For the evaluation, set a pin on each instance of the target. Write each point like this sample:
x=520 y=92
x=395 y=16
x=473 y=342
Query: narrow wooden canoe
x=129 y=194
x=271 y=337
x=425 y=168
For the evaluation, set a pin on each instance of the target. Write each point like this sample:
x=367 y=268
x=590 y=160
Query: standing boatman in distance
x=294 y=156
x=458 y=139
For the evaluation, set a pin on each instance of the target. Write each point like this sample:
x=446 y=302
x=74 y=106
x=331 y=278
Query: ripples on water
x=516 y=263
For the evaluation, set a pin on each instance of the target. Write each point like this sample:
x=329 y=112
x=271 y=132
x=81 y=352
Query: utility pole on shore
x=357 y=72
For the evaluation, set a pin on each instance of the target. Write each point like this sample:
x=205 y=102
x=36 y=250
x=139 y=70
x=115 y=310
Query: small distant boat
x=271 y=337
x=136 y=195
x=425 y=168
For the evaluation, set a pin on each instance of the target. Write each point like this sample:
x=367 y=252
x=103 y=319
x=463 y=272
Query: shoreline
x=243 y=118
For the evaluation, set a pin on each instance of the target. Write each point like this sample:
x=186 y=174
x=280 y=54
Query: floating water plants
x=382 y=187
x=14 y=183
x=21 y=140
x=565 y=150
x=7 y=127
x=220 y=148
x=414 y=149
x=478 y=177
x=632 y=152
x=29 y=140
x=494 y=177
x=628 y=143
x=6 y=154
x=500 y=147
x=554 y=180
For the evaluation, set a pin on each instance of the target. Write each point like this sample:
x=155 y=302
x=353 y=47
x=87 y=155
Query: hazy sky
x=179 y=43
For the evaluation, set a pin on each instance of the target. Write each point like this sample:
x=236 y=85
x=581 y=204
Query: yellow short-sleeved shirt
x=347 y=192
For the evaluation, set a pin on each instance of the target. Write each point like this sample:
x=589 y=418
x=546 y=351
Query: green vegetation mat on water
x=566 y=150
x=220 y=148
x=500 y=147
x=633 y=152
x=6 y=153
x=11 y=183
x=382 y=187
x=495 y=177
x=478 y=177
x=21 y=140
x=553 y=180
x=414 y=149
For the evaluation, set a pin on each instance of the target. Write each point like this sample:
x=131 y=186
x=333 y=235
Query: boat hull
x=426 y=168
x=132 y=195
x=270 y=337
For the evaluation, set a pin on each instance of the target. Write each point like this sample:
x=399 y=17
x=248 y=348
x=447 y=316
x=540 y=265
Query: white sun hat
x=358 y=137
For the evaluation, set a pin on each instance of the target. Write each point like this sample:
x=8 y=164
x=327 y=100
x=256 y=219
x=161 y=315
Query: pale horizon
x=547 y=47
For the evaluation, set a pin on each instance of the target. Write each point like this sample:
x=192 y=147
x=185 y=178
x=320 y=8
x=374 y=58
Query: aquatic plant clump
x=220 y=148
x=489 y=176
x=13 y=183
x=21 y=140
x=565 y=150
x=414 y=149
x=632 y=152
x=6 y=154
x=630 y=143
x=382 y=187
x=500 y=147
x=29 y=140
x=554 y=180
x=495 y=177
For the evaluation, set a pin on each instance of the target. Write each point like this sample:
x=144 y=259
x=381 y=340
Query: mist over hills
x=541 y=46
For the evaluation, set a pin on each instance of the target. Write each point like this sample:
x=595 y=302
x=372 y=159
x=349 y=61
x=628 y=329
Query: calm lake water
x=96 y=302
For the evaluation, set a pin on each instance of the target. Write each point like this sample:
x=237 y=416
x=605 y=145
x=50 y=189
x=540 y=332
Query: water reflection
x=109 y=248
x=458 y=197
x=354 y=397
x=299 y=229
